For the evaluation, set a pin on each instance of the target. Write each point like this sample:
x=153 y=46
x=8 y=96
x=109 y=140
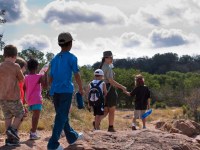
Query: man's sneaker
x=134 y=128
x=80 y=137
x=12 y=142
x=34 y=136
x=12 y=133
x=111 y=129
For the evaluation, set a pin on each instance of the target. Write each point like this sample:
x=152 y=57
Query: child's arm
x=43 y=80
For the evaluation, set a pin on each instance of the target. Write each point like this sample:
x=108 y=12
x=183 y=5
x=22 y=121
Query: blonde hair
x=139 y=80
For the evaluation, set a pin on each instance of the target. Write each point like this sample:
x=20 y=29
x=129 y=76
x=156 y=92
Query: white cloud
x=40 y=42
x=165 y=13
x=74 y=12
x=131 y=39
x=168 y=38
x=15 y=10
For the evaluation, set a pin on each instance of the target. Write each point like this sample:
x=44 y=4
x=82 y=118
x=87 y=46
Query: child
x=22 y=63
x=10 y=76
x=61 y=68
x=142 y=100
x=32 y=88
x=97 y=92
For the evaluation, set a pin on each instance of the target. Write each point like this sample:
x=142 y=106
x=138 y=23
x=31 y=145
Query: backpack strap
x=99 y=83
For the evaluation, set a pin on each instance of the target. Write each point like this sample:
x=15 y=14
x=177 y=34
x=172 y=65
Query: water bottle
x=79 y=101
x=147 y=113
x=44 y=69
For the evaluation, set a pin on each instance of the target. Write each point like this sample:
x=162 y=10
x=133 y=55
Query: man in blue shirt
x=61 y=68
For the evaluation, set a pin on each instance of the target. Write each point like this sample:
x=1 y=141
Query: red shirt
x=21 y=87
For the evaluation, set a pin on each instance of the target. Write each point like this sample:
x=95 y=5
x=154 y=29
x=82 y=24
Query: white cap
x=99 y=72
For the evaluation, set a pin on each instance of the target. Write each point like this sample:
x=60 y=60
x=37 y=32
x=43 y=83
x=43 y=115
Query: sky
x=129 y=28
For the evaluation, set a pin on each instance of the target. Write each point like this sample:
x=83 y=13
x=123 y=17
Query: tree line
x=159 y=63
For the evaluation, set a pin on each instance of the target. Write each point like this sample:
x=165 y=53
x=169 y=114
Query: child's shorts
x=12 y=108
x=35 y=107
x=98 y=110
x=138 y=114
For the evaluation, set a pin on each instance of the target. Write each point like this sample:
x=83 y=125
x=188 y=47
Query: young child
x=10 y=76
x=33 y=90
x=22 y=63
x=62 y=66
x=97 y=92
x=142 y=100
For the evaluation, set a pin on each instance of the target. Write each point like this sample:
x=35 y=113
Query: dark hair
x=21 y=62
x=102 y=62
x=32 y=65
x=65 y=44
x=10 y=51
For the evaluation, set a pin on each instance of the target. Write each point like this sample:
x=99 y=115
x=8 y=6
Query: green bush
x=160 y=105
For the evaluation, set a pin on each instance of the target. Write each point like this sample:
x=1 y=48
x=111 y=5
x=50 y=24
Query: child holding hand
x=142 y=100
x=33 y=92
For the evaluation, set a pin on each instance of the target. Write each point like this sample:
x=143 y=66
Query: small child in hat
x=97 y=92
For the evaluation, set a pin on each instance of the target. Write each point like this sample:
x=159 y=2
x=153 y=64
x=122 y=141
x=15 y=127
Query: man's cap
x=107 y=54
x=64 y=37
x=99 y=72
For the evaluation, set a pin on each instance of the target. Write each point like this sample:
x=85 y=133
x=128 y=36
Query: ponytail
x=102 y=62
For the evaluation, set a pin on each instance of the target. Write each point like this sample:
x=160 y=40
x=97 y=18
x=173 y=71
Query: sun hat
x=64 y=37
x=107 y=54
x=98 y=72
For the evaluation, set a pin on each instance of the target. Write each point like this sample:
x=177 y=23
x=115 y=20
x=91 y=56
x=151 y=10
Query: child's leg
x=17 y=122
x=8 y=123
x=97 y=122
x=35 y=119
x=134 y=121
x=144 y=122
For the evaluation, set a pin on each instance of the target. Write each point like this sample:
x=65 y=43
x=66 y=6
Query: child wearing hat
x=142 y=100
x=97 y=92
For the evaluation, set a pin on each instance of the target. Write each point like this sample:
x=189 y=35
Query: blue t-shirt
x=61 y=68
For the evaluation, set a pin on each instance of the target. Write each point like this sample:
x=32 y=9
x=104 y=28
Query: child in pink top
x=33 y=90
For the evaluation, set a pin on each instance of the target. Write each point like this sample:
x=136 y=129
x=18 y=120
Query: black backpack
x=95 y=96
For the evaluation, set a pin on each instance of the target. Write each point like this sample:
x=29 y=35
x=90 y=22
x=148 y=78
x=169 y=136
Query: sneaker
x=34 y=136
x=111 y=129
x=12 y=133
x=12 y=142
x=80 y=137
x=144 y=127
x=60 y=148
x=134 y=128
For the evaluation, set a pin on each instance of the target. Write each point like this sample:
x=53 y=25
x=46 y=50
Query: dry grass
x=81 y=120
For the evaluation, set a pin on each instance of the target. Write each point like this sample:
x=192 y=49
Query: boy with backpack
x=97 y=92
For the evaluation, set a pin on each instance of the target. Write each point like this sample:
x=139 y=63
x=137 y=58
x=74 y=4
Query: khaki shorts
x=138 y=113
x=12 y=108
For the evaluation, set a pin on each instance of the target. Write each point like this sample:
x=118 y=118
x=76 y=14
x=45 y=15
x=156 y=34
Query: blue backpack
x=95 y=96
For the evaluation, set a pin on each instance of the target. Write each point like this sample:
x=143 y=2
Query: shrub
x=160 y=105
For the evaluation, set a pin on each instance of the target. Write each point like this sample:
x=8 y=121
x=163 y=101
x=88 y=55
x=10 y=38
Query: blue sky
x=130 y=28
